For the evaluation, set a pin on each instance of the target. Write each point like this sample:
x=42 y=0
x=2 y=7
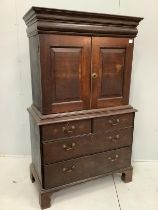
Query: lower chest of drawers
x=72 y=151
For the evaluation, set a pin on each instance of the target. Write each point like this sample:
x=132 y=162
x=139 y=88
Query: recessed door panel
x=112 y=72
x=66 y=72
x=111 y=61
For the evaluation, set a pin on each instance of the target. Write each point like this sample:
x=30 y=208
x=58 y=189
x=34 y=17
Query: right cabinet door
x=111 y=71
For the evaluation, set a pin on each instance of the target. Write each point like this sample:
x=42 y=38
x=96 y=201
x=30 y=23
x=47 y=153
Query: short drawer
x=66 y=172
x=65 y=129
x=103 y=124
x=85 y=145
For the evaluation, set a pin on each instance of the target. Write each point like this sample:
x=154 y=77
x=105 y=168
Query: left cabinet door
x=65 y=72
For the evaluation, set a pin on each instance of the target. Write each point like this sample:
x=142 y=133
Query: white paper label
x=130 y=41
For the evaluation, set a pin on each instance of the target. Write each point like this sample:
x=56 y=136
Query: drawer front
x=113 y=122
x=66 y=172
x=65 y=129
x=85 y=145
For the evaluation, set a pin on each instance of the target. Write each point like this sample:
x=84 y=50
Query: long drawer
x=66 y=172
x=114 y=122
x=65 y=129
x=84 y=145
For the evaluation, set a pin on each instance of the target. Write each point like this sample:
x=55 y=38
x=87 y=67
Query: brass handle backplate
x=68 y=128
x=67 y=148
x=94 y=75
x=115 y=138
x=114 y=121
x=68 y=170
x=113 y=159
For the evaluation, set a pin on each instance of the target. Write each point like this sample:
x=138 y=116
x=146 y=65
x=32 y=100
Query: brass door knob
x=94 y=75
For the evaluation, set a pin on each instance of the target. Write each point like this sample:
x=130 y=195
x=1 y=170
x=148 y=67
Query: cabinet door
x=65 y=68
x=111 y=71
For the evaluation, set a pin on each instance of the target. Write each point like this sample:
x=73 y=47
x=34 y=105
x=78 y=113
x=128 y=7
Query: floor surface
x=108 y=193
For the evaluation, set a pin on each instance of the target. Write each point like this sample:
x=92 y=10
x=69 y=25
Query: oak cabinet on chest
x=81 y=72
x=81 y=122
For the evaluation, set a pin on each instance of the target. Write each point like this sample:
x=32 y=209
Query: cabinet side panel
x=35 y=147
x=35 y=72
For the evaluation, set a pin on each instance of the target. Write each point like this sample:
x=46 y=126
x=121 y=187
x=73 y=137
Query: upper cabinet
x=79 y=60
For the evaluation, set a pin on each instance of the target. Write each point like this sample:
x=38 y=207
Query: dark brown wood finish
x=35 y=72
x=53 y=54
x=104 y=124
x=46 y=20
x=45 y=201
x=36 y=147
x=85 y=145
x=79 y=115
x=65 y=129
x=83 y=168
x=44 y=195
x=111 y=62
x=80 y=122
x=65 y=69
x=127 y=175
